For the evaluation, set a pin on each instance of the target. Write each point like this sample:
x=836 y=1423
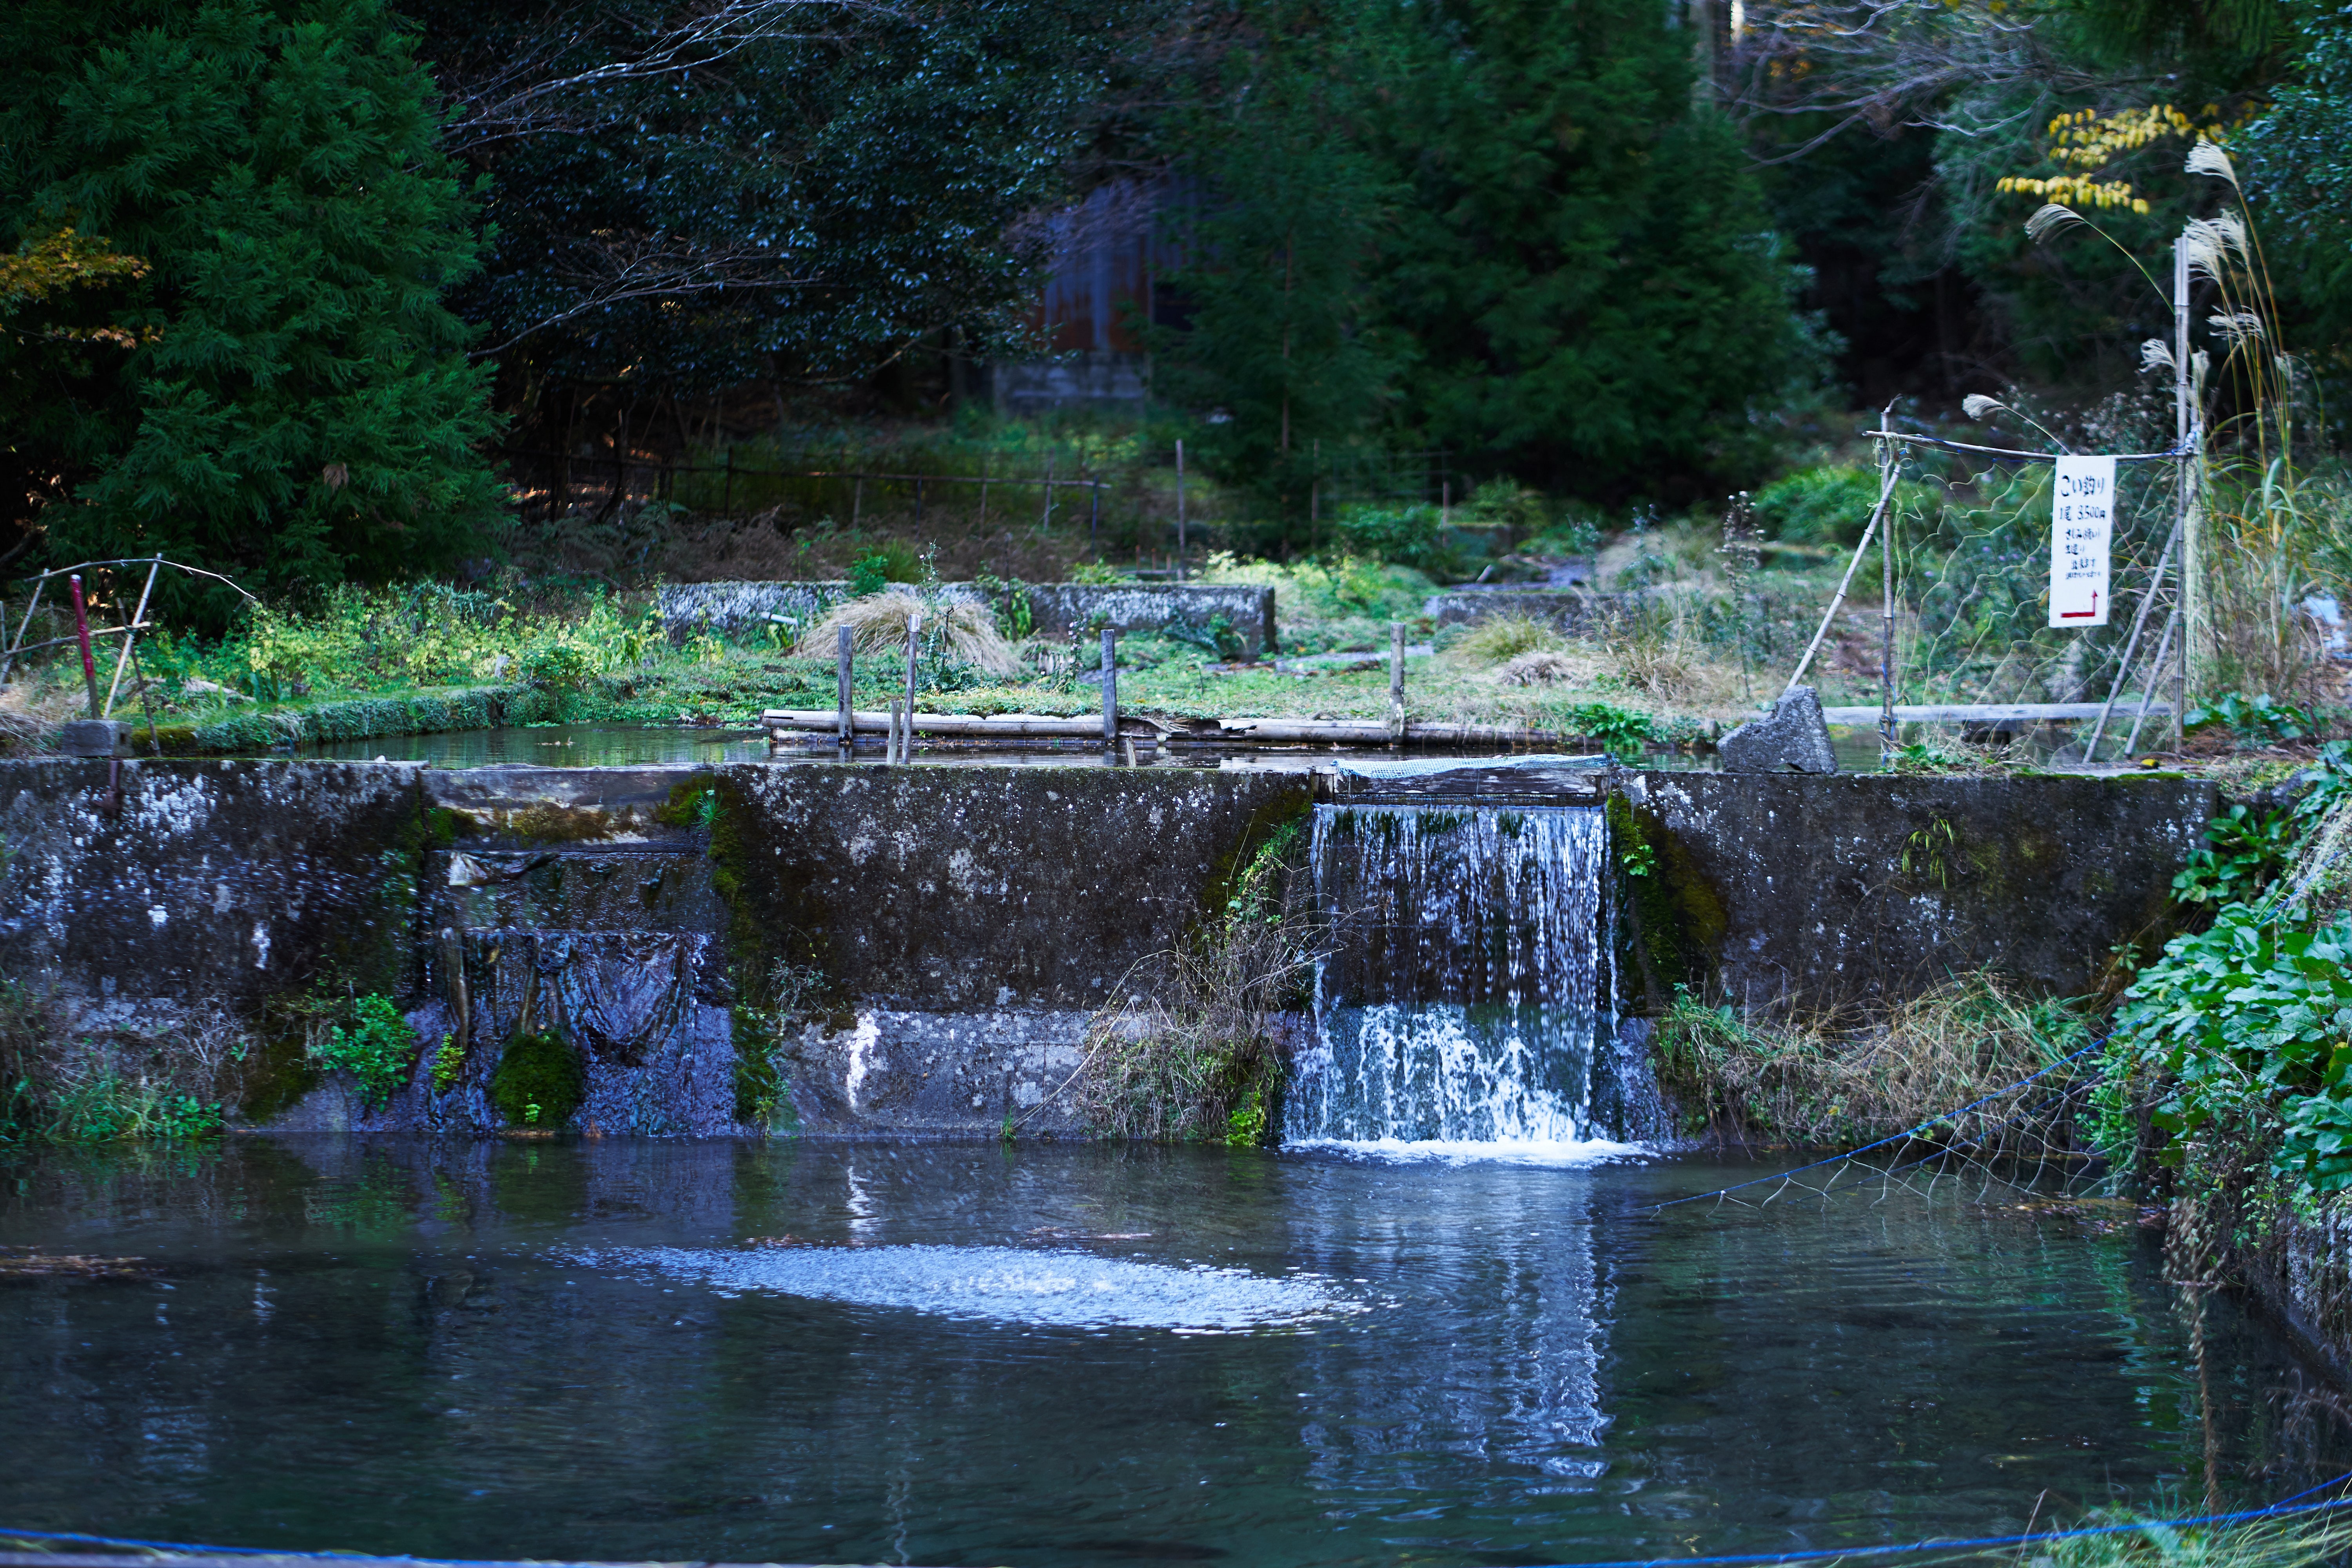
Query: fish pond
x=1066 y=1353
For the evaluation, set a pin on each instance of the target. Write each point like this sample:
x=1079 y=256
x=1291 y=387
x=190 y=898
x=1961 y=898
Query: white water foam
x=1468 y=1014
x=1564 y=1152
x=1000 y=1284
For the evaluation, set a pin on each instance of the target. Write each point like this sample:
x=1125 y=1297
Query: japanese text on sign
x=2082 y=525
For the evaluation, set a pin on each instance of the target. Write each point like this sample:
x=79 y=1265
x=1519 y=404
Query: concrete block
x=1792 y=739
x=94 y=738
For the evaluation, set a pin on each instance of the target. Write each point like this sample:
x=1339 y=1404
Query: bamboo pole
x=907 y=734
x=1396 y=681
x=81 y=633
x=130 y=636
x=1888 y=467
x=1180 y=511
x=2131 y=644
x=1885 y=490
x=2192 y=561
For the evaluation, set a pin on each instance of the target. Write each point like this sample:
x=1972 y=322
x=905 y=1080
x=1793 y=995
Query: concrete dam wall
x=846 y=950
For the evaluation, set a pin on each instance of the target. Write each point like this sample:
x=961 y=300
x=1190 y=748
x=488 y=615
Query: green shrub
x=2234 y=1028
x=1620 y=731
x=1506 y=501
x=108 y=1108
x=1501 y=638
x=561 y=665
x=540 y=1081
x=447 y=1063
x=1818 y=506
x=2255 y=720
x=893 y=561
x=1396 y=535
x=2243 y=853
x=376 y=1049
x=1100 y=572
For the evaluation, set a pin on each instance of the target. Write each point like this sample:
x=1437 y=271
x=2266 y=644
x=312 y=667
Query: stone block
x=94 y=738
x=1792 y=738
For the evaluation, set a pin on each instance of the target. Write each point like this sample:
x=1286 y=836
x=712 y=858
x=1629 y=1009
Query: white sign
x=2082 y=523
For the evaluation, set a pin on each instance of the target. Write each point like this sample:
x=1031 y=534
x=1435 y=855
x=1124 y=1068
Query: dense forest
x=287 y=287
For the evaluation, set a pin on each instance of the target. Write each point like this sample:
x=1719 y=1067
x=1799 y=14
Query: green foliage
x=557 y=665
x=1278 y=336
x=894 y=561
x=1400 y=535
x=1620 y=731
x=539 y=1080
x=1249 y=1126
x=1216 y=636
x=2244 y=851
x=449 y=1062
x=2255 y=720
x=294 y=404
x=2240 y=1026
x=377 y=1049
x=2297 y=161
x=1832 y=504
x=106 y=1108
x=1508 y=501
x=1102 y=572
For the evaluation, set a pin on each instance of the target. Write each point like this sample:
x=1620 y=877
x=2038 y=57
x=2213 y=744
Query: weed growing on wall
x=1813 y=1083
x=377 y=1049
x=1188 y=1051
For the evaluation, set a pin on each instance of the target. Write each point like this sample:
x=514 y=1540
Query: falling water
x=1467 y=1000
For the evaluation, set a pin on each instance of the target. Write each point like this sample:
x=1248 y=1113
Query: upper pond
x=1063 y=1355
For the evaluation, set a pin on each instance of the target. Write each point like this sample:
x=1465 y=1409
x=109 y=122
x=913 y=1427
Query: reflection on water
x=608 y=1349
x=557 y=746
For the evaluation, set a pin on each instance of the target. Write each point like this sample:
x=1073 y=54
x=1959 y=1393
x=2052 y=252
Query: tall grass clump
x=1501 y=638
x=879 y=623
x=1811 y=1083
x=1188 y=1049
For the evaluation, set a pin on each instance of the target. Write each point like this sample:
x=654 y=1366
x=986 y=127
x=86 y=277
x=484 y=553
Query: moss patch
x=1675 y=922
x=539 y=1070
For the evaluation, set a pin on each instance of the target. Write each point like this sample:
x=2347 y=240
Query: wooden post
x=1093 y=518
x=81 y=630
x=1110 y=685
x=1396 y=682
x=1046 y=520
x=914 y=634
x=890 y=740
x=856 y=498
x=843 y=645
x=1445 y=503
x=918 y=501
x=726 y=497
x=1179 y=512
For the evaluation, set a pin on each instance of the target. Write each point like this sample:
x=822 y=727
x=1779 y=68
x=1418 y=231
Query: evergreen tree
x=282 y=394
x=1275 y=336
x=1584 y=264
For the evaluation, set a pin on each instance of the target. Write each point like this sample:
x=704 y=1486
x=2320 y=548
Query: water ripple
x=1000 y=1284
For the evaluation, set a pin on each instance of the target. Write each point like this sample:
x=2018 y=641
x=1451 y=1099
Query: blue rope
x=2279 y=1510
x=1905 y=1136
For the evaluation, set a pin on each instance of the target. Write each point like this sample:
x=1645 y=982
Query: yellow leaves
x=60 y=261
x=2073 y=191
x=2087 y=142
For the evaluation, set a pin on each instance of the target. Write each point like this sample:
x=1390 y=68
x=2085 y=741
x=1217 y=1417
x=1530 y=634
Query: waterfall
x=1468 y=999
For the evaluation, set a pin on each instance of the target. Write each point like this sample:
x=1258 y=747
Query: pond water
x=1063 y=1355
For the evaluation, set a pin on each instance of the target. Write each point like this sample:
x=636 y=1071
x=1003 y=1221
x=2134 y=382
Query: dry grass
x=1505 y=638
x=879 y=623
x=1811 y=1084
x=1189 y=1048
x=1545 y=667
x=1656 y=651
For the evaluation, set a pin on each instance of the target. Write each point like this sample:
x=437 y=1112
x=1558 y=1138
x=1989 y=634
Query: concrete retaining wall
x=945 y=932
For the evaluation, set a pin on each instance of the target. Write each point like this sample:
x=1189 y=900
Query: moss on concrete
x=539 y=1081
x=1674 y=923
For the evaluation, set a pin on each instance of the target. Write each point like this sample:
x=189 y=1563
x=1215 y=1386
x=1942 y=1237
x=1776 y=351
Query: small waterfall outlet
x=1469 y=998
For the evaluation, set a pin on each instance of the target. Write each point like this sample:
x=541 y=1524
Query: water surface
x=1063 y=1355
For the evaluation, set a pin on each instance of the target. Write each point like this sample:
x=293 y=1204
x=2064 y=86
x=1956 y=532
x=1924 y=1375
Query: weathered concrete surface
x=1568 y=611
x=1850 y=889
x=232 y=880
x=737 y=608
x=969 y=888
x=951 y=928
